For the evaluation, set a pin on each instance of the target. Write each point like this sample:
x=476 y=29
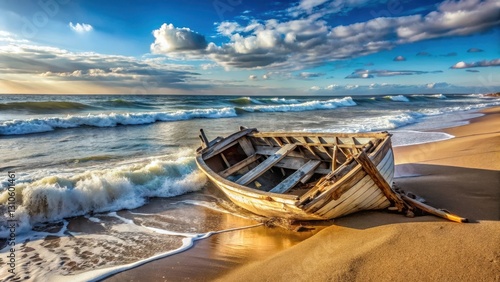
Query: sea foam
x=98 y=190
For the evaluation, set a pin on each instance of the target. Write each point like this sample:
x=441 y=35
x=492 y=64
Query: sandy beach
x=460 y=175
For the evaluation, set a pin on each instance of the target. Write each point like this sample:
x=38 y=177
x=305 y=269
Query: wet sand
x=219 y=253
x=461 y=175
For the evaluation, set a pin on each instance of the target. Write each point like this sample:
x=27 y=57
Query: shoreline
x=346 y=250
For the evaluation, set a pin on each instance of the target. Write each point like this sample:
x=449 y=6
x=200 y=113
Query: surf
x=37 y=125
x=303 y=106
x=100 y=189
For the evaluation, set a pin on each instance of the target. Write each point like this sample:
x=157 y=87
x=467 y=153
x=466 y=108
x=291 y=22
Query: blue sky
x=241 y=47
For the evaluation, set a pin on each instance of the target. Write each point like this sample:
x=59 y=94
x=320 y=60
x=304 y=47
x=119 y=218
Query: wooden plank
x=334 y=158
x=386 y=167
x=327 y=182
x=316 y=134
x=320 y=147
x=224 y=144
x=310 y=148
x=350 y=201
x=204 y=138
x=247 y=146
x=374 y=198
x=381 y=203
x=322 y=191
x=266 y=141
x=269 y=151
x=238 y=166
x=434 y=211
x=347 y=198
x=225 y=160
x=355 y=145
x=346 y=184
x=307 y=177
x=278 y=141
x=379 y=180
x=265 y=165
x=293 y=179
x=295 y=163
x=380 y=151
x=211 y=143
x=348 y=146
x=338 y=142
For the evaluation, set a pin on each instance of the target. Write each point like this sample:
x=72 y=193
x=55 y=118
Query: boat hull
x=362 y=193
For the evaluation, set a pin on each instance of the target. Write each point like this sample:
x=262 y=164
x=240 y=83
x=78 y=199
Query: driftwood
x=431 y=210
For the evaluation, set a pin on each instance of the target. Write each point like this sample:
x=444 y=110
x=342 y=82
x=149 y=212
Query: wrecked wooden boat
x=302 y=176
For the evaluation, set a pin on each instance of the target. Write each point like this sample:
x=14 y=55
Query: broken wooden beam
x=433 y=211
x=370 y=168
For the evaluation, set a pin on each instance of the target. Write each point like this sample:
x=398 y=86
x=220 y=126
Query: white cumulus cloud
x=169 y=38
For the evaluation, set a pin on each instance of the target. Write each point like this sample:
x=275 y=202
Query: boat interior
x=285 y=163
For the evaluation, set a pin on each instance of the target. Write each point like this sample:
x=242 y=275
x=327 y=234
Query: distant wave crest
x=36 y=125
x=439 y=96
x=285 y=101
x=304 y=106
x=245 y=101
x=398 y=98
x=120 y=103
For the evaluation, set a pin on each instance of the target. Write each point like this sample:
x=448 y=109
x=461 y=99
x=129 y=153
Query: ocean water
x=102 y=160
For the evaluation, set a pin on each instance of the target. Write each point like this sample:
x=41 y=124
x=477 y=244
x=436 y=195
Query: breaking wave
x=245 y=101
x=304 y=106
x=222 y=108
x=285 y=101
x=439 y=96
x=36 y=125
x=398 y=98
x=127 y=186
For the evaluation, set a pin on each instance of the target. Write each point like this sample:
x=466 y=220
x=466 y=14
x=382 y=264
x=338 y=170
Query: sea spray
x=124 y=187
